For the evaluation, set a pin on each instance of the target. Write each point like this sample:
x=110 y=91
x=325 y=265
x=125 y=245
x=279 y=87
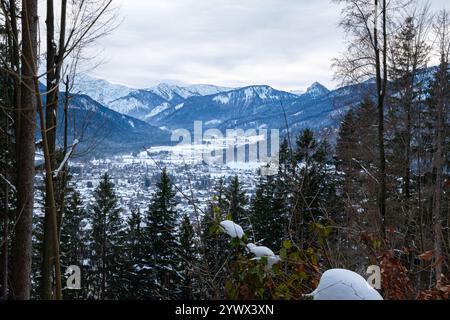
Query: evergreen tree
x=219 y=192
x=133 y=282
x=107 y=243
x=346 y=142
x=315 y=200
x=74 y=240
x=267 y=214
x=37 y=239
x=7 y=161
x=237 y=202
x=161 y=245
x=188 y=261
x=285 y=156
x=216 y=248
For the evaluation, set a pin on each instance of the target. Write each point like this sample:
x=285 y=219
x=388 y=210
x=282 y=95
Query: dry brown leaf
x=427 y=255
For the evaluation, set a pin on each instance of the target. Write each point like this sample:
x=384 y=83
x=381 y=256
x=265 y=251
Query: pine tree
x=107 y=243
x=219 y=192
x=267 y=215
x=188 y=261
x=216 y=248
x=7 y=161
x=237 y=202
x=133 y=283
x=346 y=142
x=346 y=157
x=315 y=202
x=37 y=240
x=74 y=241
x=285 y=156
x=410 y=52
x=161 y=245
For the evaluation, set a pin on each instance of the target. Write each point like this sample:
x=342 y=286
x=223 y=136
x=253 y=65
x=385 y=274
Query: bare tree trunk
x=5 y=228
x=439 y=163
x=54 y=64
x=50 y=123
x=21 y=262
x=437 y=215
x=48 y=129
x=51 y=196
x=441 y=97
x=59 y=61
x=381 y=78
x=63 y=181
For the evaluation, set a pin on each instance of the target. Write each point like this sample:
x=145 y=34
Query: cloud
x=287 y=44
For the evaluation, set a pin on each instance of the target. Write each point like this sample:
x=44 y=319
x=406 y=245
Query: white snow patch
x=158 y=110
x=259 y=251
x=342 y=284
x=232 y=229
x=223 y=99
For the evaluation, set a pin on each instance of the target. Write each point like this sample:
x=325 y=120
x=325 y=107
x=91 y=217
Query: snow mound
x=271 y=260
x=232 y=229
x=259 y=251
x=342 y=284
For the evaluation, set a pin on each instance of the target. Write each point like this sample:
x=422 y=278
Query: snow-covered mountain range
x=143 y=104
x=174 y=106
x=158 y=110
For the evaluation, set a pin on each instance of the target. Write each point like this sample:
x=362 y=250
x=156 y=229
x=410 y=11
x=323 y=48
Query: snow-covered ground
x=135 y=177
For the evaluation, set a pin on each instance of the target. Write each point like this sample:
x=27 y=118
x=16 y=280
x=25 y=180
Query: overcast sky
x=287 y=44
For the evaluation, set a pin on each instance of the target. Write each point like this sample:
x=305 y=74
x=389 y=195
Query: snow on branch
x=342 y=284
x=66 y=158
x=232 y=229
x=259 y=251
x=271 y=260
x=263 y=252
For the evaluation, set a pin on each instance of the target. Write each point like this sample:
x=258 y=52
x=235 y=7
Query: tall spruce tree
x=161 y=245
x=315 y=201
x=7 y=160
x=267 y=214
x=188 y=261
x=133 y=282
x=216 y=247
x=107 y=243
x=74 y=241
x=237 y=202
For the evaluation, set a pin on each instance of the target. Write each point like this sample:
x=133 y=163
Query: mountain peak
x=100 y=90
x=169 y=91
x=263 y=92
x=317 y=89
